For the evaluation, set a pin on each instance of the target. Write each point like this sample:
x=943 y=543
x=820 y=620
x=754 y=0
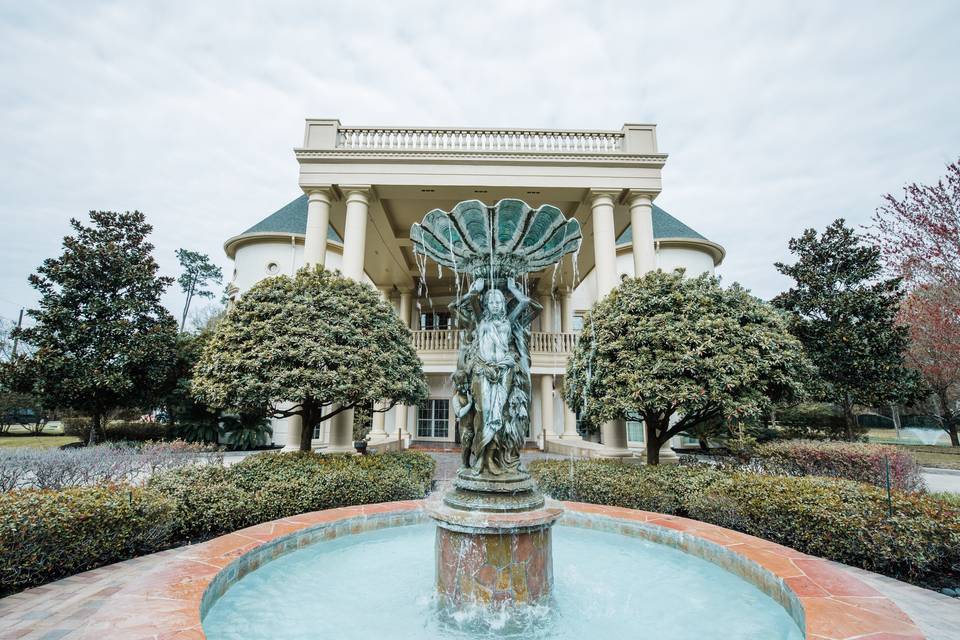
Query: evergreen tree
x=198 y=273
x=845 y=314
x=312 y=346
x=101 y=340
x=680 y=353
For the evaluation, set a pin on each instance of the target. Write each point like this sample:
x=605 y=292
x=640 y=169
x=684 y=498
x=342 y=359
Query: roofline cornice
x=232 y=244
x=716 y=251
x=656 y=160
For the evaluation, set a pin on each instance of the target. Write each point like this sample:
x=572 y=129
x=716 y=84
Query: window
x=635 y=431
x=437 y=320
x=577 y=325
x=273 y=268
x=432 y=419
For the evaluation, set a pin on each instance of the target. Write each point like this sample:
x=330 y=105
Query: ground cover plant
x=914 y=537
x=50 y=534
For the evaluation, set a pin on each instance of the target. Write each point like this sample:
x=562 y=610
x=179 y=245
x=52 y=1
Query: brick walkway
x=60 y=609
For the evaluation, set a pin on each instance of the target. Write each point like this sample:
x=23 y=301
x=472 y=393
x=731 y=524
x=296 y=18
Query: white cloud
x=776 y=116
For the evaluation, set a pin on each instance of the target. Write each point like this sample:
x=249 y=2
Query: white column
x=355 y=233
x=318 y=221
x=641 y=227
x=613 y=436
x=405 y=312
x=569 y=424
x=546 y=315
x=294 y=425
x=379 y=419
x=604 y=243
x=341 y=432
x=546 y=405
x=566 y=311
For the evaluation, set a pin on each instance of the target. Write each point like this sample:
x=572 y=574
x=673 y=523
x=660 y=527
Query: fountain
x=493 y=542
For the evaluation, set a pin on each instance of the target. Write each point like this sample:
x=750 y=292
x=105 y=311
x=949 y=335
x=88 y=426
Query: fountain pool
x=381 y=584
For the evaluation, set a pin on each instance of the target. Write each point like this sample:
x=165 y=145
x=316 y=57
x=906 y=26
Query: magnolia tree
x=101 y=339
x=929 y=312
x=678 y=353
x=844 y=313
x=313 y=346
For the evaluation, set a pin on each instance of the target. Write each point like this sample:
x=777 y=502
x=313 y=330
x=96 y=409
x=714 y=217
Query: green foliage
x=844 y=313
x=663 y=344
x=852 y=461
x=299 y=346
x=49 y=535
x=837 y=519
x=245 y=431
x=198 y=273
x=812 y=421
x=101 y=338
x=214 y=500
x=208 y=432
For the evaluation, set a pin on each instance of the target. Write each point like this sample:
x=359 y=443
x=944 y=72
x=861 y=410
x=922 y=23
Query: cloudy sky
x=776 y=116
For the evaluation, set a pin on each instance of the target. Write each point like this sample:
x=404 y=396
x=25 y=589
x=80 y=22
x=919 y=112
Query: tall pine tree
x=101 y=339
x=844 y=313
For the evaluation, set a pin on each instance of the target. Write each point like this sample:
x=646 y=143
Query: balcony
x=438 y=348
x=485 y=140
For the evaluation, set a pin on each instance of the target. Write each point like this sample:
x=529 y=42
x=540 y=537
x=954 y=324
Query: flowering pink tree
x=919 y=236
x=931 y=312
x=919 y=233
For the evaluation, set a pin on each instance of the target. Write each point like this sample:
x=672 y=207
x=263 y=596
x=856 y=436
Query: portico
x=365 y=186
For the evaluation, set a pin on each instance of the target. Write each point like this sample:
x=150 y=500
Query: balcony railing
x=503 y=140
x=449 y=340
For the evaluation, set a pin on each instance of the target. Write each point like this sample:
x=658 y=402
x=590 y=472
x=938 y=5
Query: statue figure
x=464 y=413
x=494 y=366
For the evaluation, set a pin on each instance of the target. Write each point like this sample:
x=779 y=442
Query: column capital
x=634 y=198
x=603 y=196
x=357 y=192
x=405 y=289
x=319 y=194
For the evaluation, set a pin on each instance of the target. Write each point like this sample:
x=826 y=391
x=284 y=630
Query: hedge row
x=46 y=535
x=853 y=461
x=833 y=518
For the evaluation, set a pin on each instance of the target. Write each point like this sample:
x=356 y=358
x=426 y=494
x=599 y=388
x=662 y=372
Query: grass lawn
x=52 y=437
x=934 y=456
x=37 y=441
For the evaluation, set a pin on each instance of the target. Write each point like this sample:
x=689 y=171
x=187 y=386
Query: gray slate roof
x=292 y=218
x=664 y=226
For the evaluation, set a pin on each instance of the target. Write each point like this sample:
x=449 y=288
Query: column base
x=570 y=436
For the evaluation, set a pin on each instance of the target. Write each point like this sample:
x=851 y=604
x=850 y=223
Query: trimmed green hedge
x=837 y=519
x=46 y=535
x=214 y=500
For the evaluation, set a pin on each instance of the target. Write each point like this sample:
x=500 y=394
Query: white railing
x=449 y=340
x=504 y=140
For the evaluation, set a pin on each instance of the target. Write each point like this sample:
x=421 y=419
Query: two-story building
x=363 y=188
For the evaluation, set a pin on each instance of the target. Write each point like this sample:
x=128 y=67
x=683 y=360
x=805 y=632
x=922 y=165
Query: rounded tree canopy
x=308 y=342
x=664 y=344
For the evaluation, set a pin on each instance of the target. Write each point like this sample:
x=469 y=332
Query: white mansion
x=363 y=187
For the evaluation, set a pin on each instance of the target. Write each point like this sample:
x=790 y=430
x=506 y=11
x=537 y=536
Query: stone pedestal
x=494 y=541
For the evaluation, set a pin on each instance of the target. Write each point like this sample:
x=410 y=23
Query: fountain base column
x=494 y=541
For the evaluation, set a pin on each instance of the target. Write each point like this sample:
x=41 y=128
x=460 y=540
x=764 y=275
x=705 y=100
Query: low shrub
x=853 y=461
x=837 y=519
x=46 y=535
x=131 y=431
x=215 y=500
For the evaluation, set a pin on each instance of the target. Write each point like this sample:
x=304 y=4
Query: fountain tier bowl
x=372 y=577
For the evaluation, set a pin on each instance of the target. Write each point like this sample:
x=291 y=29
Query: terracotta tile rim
x=174 y=597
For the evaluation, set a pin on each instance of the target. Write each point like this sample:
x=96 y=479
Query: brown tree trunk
x=850 y=419
x=652 y=440
x=306 y=426
x=95 y=421
x=947 y=418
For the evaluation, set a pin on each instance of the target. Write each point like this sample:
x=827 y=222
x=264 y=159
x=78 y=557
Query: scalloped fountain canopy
x=506 y=239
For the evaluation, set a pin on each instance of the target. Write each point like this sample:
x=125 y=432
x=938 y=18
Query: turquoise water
x=380 y=585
